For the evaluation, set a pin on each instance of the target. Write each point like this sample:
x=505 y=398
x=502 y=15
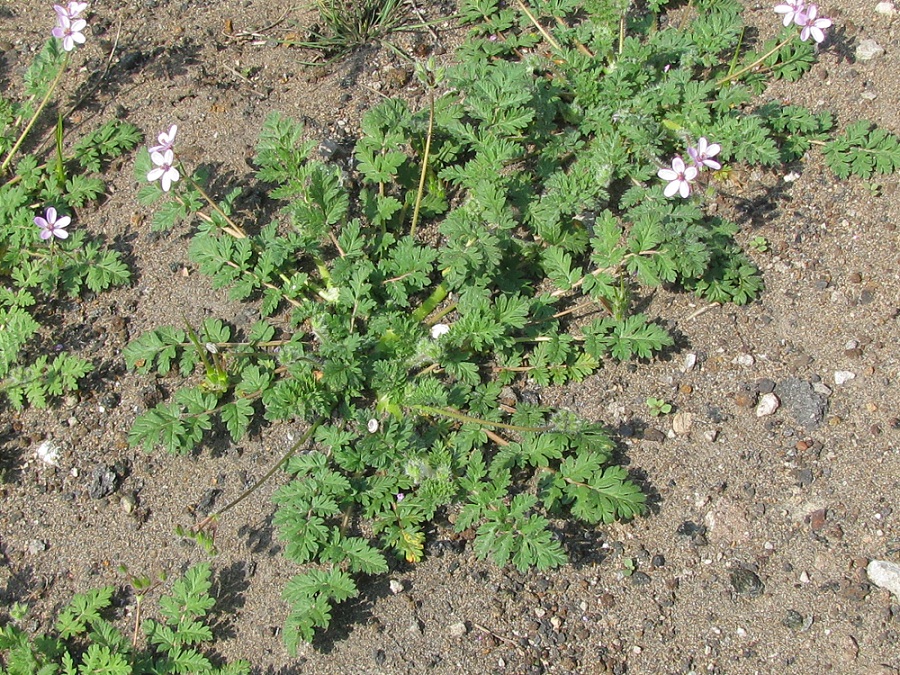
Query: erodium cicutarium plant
x=411 y=304
x=46 y=253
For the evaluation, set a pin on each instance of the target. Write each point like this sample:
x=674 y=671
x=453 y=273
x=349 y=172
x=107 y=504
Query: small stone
x=768 y=404
x=793 y=620
x=690 y=360
x=48 y=453
x=868 y=49
x=396 y=586
x=747 y=582
x=128 y=503
x=806 y=404
x=36 y=546
x=804 y=477
x=711 y=435
x=640 y=579
x=685 y=389
x=850 y=648
x=104 y=481
x=854 y=277
x=654 y=435
x=885 y=9
x=843 y=376
x=457 y=629
x=681 y=423
x=745 y=360
x=817 y=519
x=765 y=386
x=886 y=575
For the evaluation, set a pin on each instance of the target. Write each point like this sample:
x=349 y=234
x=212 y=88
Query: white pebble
x=745 y=360
x=868 y=49
x=690 y=360
x=791 y=177
x=767 y=405
x=48 y=453
x=885 y=8
x=396 y=586
x=681 y=423
x=458 y=629
x=886 y=575
x=843 y=376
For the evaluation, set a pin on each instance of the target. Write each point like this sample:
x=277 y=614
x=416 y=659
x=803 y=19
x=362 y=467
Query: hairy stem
x=37 y=113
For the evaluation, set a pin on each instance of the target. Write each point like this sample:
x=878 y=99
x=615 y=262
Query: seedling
x=658 y=406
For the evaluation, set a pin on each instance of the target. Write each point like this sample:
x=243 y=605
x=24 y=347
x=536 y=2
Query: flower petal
x=672 y=188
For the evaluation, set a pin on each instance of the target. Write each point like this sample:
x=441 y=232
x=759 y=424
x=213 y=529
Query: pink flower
x=791 y=9
x=702 y=154
x=679 y=177
x=69 y=30
x=812 y=25
x=164 y=171
x=51 y=225
x=166 y=140
x=71 y=11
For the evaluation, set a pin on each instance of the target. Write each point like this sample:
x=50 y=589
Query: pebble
x=843 y=376
x=48 y=453
x=681 y=423
x=745 y=360
x=396 y=586
x=868 y=49
x=793 y=620
x=886 y=575
x=747 y=582
x=885 y=9
x=457 y=629
x=805 y=403
x=654 y=435
x=690 y=360
x=768 y=404
x=36 y=546
x=104 y=481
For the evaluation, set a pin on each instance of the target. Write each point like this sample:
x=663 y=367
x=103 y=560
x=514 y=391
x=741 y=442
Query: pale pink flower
x=679 y=177
x=702 y=154
x=166 y=140
x=51 y=225
x=164 y=171
x=69 y=31
x=811 y=25
x=791 y=9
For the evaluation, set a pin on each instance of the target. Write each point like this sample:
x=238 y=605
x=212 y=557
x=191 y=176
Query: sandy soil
x=753 y=558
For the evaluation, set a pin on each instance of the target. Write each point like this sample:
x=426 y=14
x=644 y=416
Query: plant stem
x=549 y=38
x=37 y=113
x=258 y=484
x=733 y=76
x=233 y=228
x=421 y=191
x=462 y=417
x=431 y=302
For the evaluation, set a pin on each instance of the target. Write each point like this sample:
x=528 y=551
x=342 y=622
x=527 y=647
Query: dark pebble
x=746 y=582
x=379 y=657
x=654 y=435
x=640 y=579
x=866 y=297
x=793 y=620
x=104 y=481
x=765 y=386
x=804 y=477
x=658 y=560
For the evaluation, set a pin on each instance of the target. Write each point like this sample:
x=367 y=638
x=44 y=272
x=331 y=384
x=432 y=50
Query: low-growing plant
x=760 y=244
x=40 y=258
x=658 y=406
x=84 y=641
x=498 y=239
